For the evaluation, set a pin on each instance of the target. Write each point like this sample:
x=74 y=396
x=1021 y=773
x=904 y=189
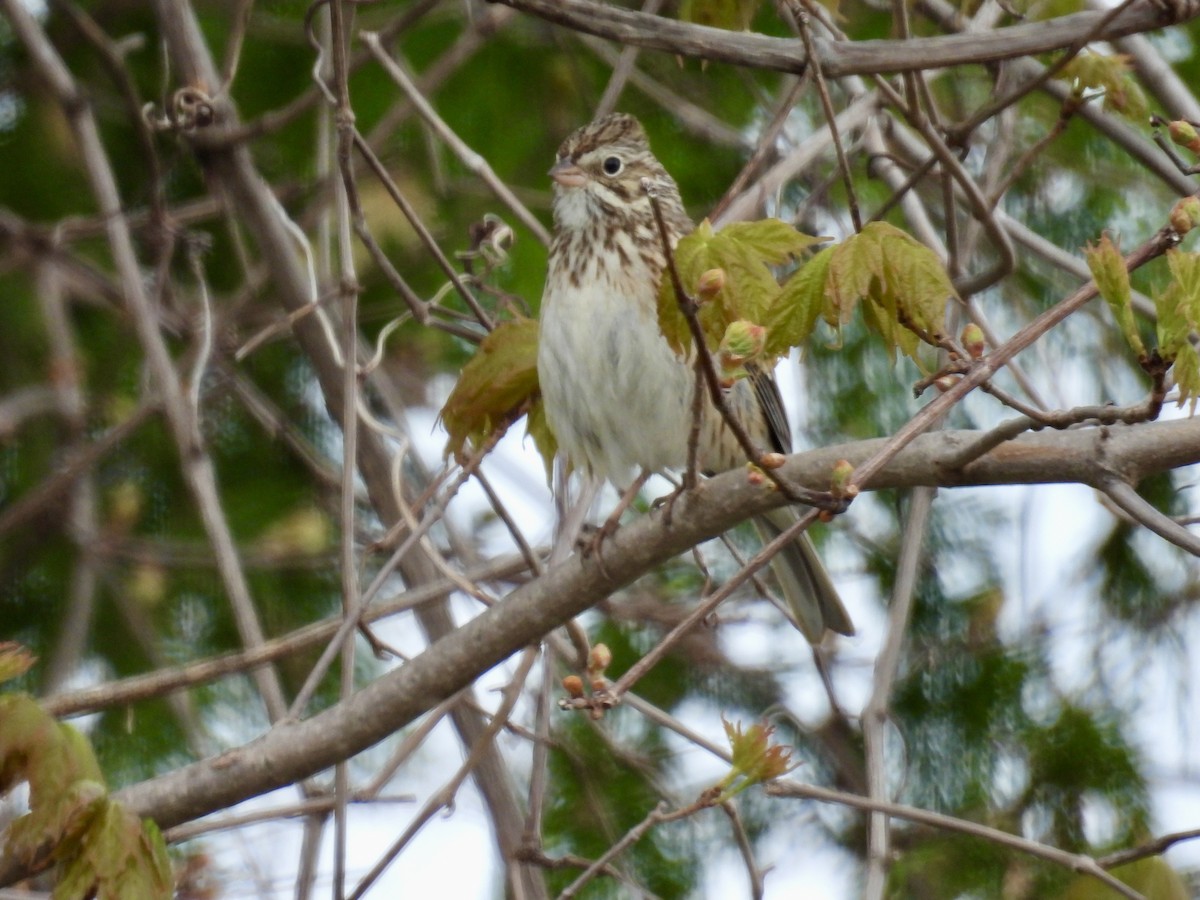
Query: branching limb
x=1131 y=502
x=983 y=369
x=1075 y=862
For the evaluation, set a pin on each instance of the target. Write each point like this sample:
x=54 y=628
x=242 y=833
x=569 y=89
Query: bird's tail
x=813 y=600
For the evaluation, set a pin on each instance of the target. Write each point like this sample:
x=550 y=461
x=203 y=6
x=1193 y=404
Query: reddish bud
x=599 y=659
x=709 y=284
x=839 y=478
x=772 y=460
x=1185 y=215
x=742 y=342
x=1184 y=134
x=973 y=341
x=573 y=685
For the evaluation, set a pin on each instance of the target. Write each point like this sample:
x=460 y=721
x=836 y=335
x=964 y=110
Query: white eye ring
x=612 y=165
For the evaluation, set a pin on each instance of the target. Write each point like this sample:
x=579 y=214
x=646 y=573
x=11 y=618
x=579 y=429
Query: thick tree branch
x=293 y=751
x=839 y=59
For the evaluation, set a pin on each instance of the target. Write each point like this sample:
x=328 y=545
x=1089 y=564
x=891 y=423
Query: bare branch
x=859 y=58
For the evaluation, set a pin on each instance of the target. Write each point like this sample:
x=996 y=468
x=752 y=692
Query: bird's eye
x=612 y=165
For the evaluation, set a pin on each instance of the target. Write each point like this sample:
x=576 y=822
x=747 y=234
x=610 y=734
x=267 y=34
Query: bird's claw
x=592 y=546
x=667 y=503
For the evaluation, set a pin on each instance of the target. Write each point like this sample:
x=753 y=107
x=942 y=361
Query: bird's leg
x=614 y=519
x=668 y=500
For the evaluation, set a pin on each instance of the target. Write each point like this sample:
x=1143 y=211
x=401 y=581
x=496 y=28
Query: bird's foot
x=667 y=502
x=591 y=544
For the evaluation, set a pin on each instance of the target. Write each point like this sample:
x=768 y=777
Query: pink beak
x=568 y=174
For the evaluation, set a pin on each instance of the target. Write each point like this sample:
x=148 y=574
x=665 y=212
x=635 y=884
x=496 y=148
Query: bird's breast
x=617 y=397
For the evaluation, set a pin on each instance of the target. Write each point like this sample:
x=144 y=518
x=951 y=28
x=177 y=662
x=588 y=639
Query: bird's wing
x=771 y=404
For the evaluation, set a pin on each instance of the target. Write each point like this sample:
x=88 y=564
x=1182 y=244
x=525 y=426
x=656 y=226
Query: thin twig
x=127 y=691
x=354 y=617
x=658 y=815
x=471 y=159
x=1156 y=847
x=887 y=664
x=704 y=609
x=830 y=119
x=422 y=231
x=622 y=69
x=445 y=796
x=983 y=369
x=197 y=466
x=1134 y=504
x=746 y=848
x=1075 y=862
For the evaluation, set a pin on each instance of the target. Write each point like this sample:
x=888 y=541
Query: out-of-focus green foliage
x=99 y=849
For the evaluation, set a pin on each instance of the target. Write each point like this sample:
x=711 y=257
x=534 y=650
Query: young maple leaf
x=755 y=758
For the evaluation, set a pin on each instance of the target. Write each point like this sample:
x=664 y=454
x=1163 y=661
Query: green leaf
x=855 y=266
x=905 y=281
x=916 y=281
x=880 y=315
x=1111 y=74
x=1178 y=309
x=1112 y=280
x=744 y=253
x=1185 y=267
x=538 y=428
x=103 y=850
x=793 y=316
x=1187 y=375
x=1172 y=327
x=494 y=384
x=14 y=660
x=774 y=240
x=750 y=287
x=690 y=256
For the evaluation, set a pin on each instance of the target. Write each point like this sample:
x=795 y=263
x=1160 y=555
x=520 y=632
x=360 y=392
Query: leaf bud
x=1185 y=215
x=599 y=659
x=945 y=383
x=743 y=342
x=840 y=477
x=573 y=685
x=1184 y=134
x=709 y=284
x=772 y=460
x=972 y=340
